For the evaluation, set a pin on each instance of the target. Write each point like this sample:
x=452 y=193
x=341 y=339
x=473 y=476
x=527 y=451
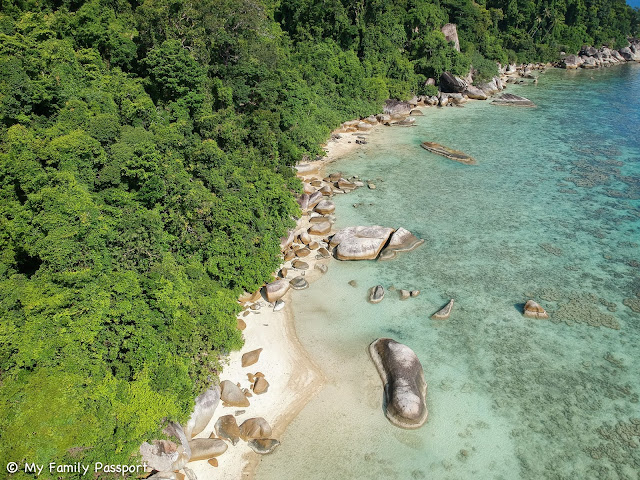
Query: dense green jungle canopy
x=145 y=178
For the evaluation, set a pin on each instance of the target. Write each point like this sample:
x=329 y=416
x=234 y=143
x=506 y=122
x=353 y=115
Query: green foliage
x=145 y=179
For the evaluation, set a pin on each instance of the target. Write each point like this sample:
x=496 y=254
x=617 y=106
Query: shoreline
x=293 y=375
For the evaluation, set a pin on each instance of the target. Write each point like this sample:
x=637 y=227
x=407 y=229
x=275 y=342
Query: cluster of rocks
x=591 y=57
x=376 y=294
x=168 y=457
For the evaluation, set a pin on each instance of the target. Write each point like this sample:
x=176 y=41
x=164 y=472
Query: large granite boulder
x=232 y=396
x=533 y=310
x=325 y=207
x=263 y=446
x=360 y=243
x=396 y=107
x=402 y=240
x=452 y=84
x=451 y=35
x=227 y=429
x=571 y=62
x=475 y=93
x=275 y=290
x=251 y=357
x=404 y=387
x=255 y=428
x=206 y=404
x=205 y=448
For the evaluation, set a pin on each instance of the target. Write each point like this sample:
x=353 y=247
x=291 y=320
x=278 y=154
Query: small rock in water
x=444 y=312
x=404 y=294
x=279 y=305
x=534 y=310
x=321 y=267
x=415 y=293
x=372 y=186
x=377 y=294
x=353 y=283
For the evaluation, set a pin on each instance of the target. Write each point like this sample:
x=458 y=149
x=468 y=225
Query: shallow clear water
x=551 y=212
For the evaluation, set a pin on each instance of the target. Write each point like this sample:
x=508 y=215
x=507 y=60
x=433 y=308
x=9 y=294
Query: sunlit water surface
x=550 y=212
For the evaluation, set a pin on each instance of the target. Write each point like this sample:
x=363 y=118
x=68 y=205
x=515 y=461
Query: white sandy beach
x=293 y=376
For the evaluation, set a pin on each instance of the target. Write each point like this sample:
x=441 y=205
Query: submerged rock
x=263 y=446
x=510 y=99
x=404 y=387
x=534 y=310
x=450 y=153
x=206 y=404
x=444 y=312
x=376 y=294
x=321 y=267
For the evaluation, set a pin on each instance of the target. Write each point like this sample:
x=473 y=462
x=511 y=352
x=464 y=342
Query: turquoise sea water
x=551 y=212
